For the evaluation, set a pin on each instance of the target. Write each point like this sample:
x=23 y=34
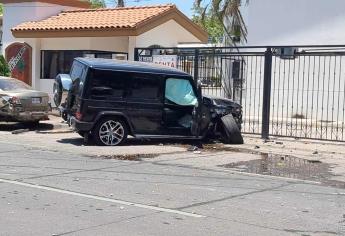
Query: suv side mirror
x=101 y=90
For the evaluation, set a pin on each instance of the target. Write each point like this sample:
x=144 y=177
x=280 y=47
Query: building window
x=54 y=62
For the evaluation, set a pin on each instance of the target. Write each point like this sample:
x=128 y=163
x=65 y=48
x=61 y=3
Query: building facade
x=54 y=32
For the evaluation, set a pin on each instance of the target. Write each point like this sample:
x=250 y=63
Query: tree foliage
x=209 y=23
x=228 y=13
x=97 y=3
x=4 y=69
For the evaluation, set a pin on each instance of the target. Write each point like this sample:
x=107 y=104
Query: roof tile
x=104 y=18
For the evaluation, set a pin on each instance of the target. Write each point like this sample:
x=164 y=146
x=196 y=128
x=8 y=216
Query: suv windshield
x=12 y=84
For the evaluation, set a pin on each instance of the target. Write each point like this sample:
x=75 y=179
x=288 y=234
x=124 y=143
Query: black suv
x=111 y=99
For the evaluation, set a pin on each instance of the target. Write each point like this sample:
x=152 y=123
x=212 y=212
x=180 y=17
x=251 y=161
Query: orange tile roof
x=95 y=19
x=107 y=22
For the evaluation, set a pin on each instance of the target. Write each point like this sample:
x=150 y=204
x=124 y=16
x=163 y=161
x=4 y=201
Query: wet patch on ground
x=289 y=167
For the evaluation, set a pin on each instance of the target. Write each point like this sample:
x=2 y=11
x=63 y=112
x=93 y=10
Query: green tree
x=228 y=13
x=1 y=9
x=208 y=22
x=4 y=69
x=97 y=3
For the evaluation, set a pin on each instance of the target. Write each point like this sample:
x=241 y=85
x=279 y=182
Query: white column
x=132 y=43
x=36 y=63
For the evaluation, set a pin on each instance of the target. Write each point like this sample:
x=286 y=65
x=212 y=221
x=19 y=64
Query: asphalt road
x=49 y=192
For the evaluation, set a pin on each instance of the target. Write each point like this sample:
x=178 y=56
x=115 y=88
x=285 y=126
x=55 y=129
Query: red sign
x=19 y=58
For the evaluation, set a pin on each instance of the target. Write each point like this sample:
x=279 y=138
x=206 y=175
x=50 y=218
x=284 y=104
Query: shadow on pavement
x=12 y=126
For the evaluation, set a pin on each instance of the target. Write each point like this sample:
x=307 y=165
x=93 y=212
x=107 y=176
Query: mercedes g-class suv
x=109 y=100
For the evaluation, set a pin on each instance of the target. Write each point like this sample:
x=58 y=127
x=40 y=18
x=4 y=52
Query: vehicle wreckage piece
x=231 y=131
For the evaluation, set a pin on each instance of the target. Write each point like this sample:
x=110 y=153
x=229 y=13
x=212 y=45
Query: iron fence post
x=196 y=66
x=265 y=129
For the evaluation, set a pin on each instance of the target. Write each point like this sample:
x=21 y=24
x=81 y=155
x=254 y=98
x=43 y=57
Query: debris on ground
x=57 y=131
x=134 y=157
x=19 y=131
x=192 y=148
x=315 y=152
x=257 y=147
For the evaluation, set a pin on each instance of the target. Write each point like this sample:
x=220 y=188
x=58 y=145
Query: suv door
x=145 y=103
x=180 y=107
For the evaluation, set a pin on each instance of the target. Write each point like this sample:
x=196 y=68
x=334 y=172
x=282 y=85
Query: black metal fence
x=287 y=91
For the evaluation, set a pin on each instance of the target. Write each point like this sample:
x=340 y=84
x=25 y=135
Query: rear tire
x=231 y=134
x=110 y=131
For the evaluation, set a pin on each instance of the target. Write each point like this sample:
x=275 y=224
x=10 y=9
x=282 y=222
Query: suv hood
x=223 y=102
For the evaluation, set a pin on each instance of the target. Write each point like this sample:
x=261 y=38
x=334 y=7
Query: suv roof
x=131 y=66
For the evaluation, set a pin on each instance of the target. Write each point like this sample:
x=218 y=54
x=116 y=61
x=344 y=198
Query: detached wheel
x=231 y=133
x=110 y=131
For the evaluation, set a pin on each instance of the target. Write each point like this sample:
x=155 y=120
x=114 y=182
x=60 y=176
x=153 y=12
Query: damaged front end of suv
x=226 y=117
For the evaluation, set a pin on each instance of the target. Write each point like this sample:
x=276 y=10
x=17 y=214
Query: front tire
x=231 y=132
x=110 y=131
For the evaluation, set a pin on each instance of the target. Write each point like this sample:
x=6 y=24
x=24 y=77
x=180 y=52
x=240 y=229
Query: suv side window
x=106 y=84
x=145 y=87
x=77 y=70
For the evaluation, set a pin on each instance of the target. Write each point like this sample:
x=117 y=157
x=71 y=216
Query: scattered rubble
x=134 y=157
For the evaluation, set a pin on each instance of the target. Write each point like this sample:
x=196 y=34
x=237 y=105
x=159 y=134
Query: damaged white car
x=20 y=103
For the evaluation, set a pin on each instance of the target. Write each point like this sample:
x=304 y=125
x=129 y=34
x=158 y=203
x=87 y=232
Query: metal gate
x=291 y=91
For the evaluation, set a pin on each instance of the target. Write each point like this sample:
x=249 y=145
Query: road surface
x=48 y=192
